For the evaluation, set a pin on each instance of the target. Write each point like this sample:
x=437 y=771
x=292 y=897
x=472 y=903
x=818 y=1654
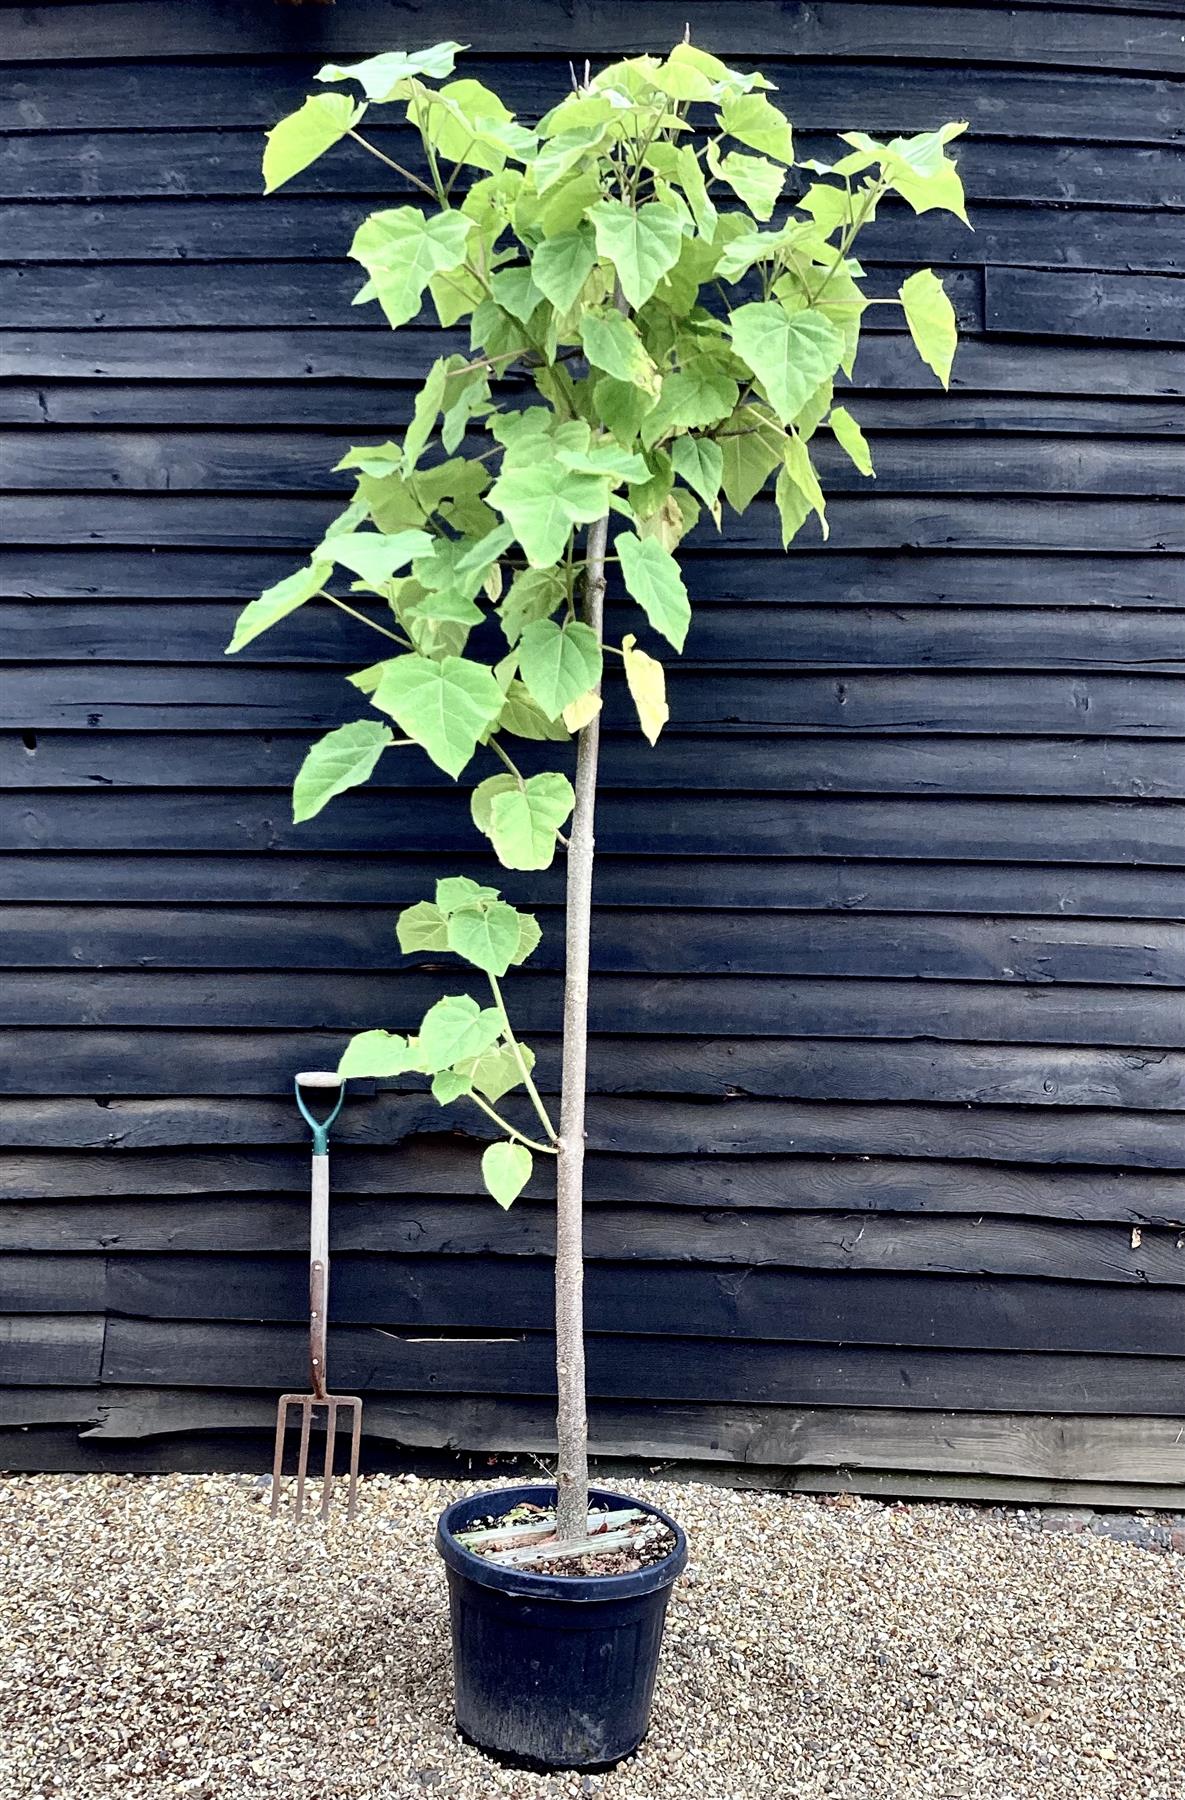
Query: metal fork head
x=334 y=1404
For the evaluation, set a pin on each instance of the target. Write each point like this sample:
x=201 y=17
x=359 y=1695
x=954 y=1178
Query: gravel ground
x=160 y=1636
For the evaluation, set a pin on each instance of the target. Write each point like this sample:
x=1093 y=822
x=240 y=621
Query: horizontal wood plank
x=449 y=1167
x=173 y=1353
x=642 y=941
x=128 y=462
x=1000 y=102
x=1067 y=768
x=106 y=1063
x=663 y=1300
x=1141 y=43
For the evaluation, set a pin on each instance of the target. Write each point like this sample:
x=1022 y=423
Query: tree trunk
x=572 y=1420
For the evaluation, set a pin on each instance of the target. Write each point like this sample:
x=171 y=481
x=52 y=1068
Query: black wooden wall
x=889 y=1162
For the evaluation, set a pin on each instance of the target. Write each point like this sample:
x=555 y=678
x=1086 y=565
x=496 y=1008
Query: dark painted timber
x=887 y=1158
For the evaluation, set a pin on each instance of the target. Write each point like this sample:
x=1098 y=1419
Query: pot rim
x=574 y=1589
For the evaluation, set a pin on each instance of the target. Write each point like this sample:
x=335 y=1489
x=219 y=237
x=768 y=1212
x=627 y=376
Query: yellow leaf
x=577 y=716
x=648 y=688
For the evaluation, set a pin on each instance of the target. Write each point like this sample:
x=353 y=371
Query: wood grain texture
x=1060 y=1448
x=1117 y=41
x=929 y=764
x=887 y=1079
x=216 y=1354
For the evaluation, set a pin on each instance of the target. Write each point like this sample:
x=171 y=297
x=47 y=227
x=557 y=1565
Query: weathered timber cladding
x=887 y=1161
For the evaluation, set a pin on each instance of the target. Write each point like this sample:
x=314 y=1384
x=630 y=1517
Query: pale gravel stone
x=160 y=1637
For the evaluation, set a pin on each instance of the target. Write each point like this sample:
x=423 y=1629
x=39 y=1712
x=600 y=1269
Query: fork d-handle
x=319 y=1218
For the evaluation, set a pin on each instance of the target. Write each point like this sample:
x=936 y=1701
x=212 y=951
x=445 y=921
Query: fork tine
x=278 y=1455
x=302 y=1467
x=330 y=1446
x=355 y=1445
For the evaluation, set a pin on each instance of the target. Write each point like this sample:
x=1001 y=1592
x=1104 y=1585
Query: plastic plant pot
x=553 y=1671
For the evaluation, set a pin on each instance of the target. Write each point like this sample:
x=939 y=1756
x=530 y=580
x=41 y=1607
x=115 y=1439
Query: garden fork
x=318 y=1311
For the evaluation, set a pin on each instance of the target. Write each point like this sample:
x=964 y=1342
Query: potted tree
x=656 y=328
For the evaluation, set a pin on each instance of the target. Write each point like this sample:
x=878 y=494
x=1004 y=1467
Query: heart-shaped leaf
x=506 y=1170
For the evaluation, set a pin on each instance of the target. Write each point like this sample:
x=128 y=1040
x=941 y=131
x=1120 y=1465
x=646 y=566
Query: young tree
x=621 y=272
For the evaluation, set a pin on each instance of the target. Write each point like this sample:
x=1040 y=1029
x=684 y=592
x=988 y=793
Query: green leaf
x=529 y=936
x=534 y=594
x=542 y=501
x=524 y=716
x=652 y=577
x=559 y=663
x=486 y=936
x=497 y=1072
x=605 y=457
x=563 y=152
x=691 y=179
x=789 y=356
x=445 y=706
x=385 y=77
x=275 y=603
x=451 y=1084
x=422 y=927
x=401 y=250
x=916 y=167
x=801 y=471
x=648 y=688
x=750 y=448
x=753 y=180
x=454 y=891
x=750 y=246
x=466 y=122
x=371 y=459
x=340 y=760
x=428 y=403
x=506 y=1170
x=794 y=509
x=612 y=344
x=700 y=394
x=561 y=266
x=693 y=74
x=699 y=461
x=752 y=120
x=515 y=292
x=807 y=422
x=467 y=396
x=374 y=556
x=622 y=407
x=455 y=1029
x=378 y=1055
x=851 y=438
x=931 y=320
x=367 y=680
x=305 y=135
x=641 y=245
x=522 y=821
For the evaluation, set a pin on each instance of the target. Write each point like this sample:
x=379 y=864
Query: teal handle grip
x=320 y=1127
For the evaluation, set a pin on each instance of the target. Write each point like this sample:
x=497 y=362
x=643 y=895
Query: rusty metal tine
x=302 y=1467
x=330 y=1445
x=278 y=1456
x=355 y=1446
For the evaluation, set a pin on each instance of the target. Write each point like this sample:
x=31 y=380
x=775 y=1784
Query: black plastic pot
x=553 y=1671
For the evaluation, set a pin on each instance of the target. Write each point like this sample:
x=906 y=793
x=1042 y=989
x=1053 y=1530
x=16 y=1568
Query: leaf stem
x=391 y=164
x=509 y=1129
x=520 y=1059
x=496 y=747
x=395 y=636
x=430 y=153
